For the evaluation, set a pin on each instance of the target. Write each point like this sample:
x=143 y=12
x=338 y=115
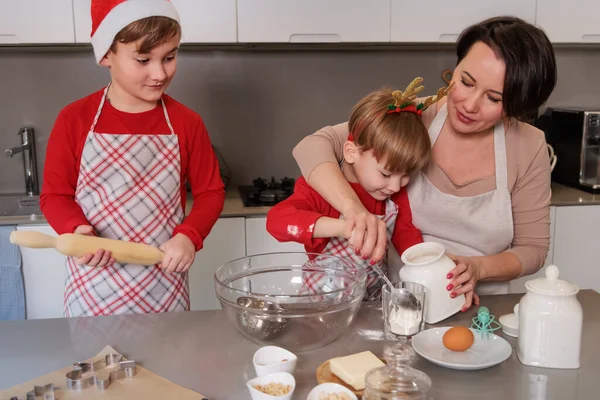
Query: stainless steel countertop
x=202 y=351
x=568 y=196
x=233 y=207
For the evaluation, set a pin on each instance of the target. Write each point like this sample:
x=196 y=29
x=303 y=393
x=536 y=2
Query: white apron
x=318 y=283
x=467 y=226
x=129 y=189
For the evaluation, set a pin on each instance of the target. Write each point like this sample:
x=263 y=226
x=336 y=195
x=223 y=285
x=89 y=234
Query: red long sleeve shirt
x=303 y=208
x=199 y=164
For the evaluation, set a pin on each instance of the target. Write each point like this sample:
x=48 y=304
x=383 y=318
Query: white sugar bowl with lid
x=550 y=323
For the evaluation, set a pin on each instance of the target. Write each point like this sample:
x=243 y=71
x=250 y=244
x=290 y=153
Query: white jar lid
x=551 y=285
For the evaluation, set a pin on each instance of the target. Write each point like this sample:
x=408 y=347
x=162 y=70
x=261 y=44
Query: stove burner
x=266 y=193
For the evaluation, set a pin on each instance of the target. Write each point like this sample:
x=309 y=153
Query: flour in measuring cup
x=405 y=322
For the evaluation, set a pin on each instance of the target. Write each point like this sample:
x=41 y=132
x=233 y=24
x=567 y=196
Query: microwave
x=574 y=135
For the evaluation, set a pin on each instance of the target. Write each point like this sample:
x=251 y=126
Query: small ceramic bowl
x=271 y=359
x=329 y=388
x=510 y=323
x=278 y=377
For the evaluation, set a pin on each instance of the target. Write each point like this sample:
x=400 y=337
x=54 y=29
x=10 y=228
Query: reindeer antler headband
x=404 y=101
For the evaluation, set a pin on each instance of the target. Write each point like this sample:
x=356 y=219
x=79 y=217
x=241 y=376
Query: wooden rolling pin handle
x=75 y=245
x=32 y=239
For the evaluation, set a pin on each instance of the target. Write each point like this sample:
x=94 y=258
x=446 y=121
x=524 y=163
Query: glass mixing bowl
x=298 y=301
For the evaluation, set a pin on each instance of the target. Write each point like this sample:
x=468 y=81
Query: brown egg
x=458 y=338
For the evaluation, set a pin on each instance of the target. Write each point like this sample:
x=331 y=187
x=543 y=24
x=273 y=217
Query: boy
x=387 y=142
x=117 y=163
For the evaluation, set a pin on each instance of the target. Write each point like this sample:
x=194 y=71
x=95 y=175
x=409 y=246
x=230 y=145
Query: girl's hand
x=101 y=258
x=367 y=233
x=464 y=278
x=179 y=253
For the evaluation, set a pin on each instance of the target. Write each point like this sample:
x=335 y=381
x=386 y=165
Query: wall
x=256 y=104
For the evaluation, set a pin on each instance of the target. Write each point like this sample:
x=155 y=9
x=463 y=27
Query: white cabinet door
x=36 y=21
x=225 y=242
x=443 y=21
x=313 y=21
x=83 y=20
x=44 y=274
x=518 y=285
x=569 y=21
x=207 y=21
x=577 y=236
x=202 y=21
x=259 y=241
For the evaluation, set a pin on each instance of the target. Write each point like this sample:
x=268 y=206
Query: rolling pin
x=74 y=245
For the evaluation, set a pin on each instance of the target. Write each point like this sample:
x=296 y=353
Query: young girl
x=387 y=142
x=117 y=163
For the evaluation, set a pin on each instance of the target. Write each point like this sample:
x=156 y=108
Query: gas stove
x=266 y=192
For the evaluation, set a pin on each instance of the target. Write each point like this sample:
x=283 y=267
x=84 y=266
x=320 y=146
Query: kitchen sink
x=19 y=204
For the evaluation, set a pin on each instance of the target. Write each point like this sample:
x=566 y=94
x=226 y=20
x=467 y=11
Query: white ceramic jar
x=426 y=264
x=550 y=323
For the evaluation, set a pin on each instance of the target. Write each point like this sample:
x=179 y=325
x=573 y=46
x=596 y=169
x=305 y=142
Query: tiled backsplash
x=256 y=104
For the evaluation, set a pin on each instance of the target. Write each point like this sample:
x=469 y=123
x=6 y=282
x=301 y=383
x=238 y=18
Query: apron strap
x=500 y=157
x=101 y=105
x=164 y=107
x=438 y=123
x=99 y=108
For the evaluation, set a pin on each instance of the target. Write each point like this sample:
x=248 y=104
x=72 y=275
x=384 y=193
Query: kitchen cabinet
x=260 y=241
x=518 y=285
x=202 y=21
x=443 y=21
x=576 y=238
x=36 y=21
x=314 y=21
x=44 y=274
x=569 y=22
x=226 y=242
x=207 y=21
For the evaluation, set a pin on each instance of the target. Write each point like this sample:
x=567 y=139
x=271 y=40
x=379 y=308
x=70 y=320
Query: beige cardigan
x=528 y=181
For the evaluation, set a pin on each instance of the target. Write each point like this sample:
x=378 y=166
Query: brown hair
x=154 y=30
x=398 y=139
x=529 y=58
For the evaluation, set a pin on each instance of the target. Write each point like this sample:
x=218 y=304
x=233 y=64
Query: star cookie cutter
x=45 y=392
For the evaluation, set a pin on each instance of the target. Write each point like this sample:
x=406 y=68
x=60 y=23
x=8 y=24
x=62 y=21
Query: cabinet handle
x=590 y=38
x=315 y=38
x=448 y=37
x=9 y=38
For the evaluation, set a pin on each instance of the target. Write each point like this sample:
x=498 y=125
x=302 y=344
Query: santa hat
x=110 y=16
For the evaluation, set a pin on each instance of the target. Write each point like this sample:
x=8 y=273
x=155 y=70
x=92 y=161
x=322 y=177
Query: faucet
x=27 y=147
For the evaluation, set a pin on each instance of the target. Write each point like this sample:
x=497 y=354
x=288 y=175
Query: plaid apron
x=129 y=189
x=319 y=283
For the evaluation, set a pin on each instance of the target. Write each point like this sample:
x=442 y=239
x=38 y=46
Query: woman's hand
x=101 y=258
x=464 y=278
x=179 y=253
x=367 y=233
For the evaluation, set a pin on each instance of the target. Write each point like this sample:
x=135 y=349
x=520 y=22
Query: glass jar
x=397 y=380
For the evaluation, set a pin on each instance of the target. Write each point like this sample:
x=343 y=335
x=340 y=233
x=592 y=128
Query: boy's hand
x=179 y=253
x=99 y=259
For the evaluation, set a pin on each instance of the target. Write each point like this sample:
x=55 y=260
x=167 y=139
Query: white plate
x=484 y=353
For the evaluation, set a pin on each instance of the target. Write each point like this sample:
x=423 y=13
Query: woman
x=486 y=193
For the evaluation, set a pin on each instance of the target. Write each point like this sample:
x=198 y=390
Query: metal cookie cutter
x=45 y=392
x=126 y=369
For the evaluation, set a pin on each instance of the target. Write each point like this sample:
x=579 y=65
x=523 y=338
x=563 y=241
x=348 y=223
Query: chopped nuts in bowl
x=276 y=386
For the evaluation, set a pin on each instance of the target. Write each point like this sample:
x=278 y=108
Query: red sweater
x=199 y=164
x=306 y=206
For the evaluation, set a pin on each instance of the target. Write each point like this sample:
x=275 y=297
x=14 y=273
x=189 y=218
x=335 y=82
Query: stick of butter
x=353 y=368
